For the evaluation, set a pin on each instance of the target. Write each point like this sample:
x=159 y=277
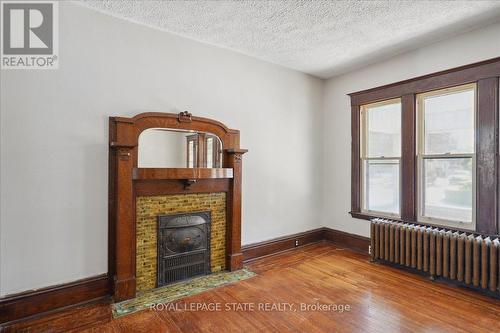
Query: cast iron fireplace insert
x=183 y=246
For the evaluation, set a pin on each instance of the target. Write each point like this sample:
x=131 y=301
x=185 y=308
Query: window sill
x=364 y=216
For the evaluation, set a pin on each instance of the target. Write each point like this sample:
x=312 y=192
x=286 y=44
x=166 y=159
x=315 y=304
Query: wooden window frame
x=200 y=141
x=364 y=157
x=194 y=139
x=421 y=156
x=486 y=76
x=216 y=151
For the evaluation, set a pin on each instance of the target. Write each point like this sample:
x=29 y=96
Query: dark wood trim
x=487 y=156
x=34 y=302
x=368 y=217
x=201 y=159
x=181 y=173
x=362 y=216
x=285 y=243
x=347 y=240
x=125 y=239
x=486 y=75
x=443 y=79
x=192 y=138
x=172 y=186
x=89 y=314
x=234 y=257
x=355 y=159
x=280 y=244
x=408 y=174
x=216 y=150
x=111 y=203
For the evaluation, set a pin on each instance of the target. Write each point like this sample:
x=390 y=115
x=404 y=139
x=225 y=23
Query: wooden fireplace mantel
x=127 y=181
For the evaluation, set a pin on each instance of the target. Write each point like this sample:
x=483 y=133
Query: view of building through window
x=446 y=154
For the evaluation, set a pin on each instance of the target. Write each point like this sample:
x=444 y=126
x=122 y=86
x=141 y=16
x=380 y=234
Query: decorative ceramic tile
x=148 y=208
x=178 y=290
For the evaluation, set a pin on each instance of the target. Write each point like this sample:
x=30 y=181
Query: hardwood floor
x=381 y=299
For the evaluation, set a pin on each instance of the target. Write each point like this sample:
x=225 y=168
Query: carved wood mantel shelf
x=127 y=182
x=181 y=173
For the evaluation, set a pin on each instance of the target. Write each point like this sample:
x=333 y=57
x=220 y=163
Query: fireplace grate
x=183 y=260
x=183 y=246
x=184 y=272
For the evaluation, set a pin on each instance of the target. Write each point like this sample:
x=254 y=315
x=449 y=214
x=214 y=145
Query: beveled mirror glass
x=169 y=148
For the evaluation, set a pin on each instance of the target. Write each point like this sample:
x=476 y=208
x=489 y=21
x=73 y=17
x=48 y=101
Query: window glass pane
x=210 y=152
x=448 y=189
x=191 y=154
x=449 y=123
x=384 y=130
x=382 y=186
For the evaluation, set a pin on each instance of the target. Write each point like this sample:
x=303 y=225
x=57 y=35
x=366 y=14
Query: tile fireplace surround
x=138 y=195
x=149 y=207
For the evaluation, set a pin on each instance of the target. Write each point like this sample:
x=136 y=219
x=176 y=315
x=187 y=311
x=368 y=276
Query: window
x=381 y=157
x=210 y=152
x=426 y=150
x=192 y=151
x=204 y=151
x=446 y=156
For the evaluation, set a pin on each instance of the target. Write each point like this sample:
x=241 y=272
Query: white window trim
x=421 y=156
x=363 y=157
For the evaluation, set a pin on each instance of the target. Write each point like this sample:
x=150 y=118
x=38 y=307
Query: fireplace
x=183 y=246
x=133 y=231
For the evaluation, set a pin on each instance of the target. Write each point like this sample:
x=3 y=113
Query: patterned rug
x=178 y=290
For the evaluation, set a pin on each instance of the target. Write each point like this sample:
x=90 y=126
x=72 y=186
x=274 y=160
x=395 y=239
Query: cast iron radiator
x=465 y=257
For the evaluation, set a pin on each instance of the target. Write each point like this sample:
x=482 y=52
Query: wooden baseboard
x=34 y=302
x=347 y=240
x=280 y=244
x=277 y=245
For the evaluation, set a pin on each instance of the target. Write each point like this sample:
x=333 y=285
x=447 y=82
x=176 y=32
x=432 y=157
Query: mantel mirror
x=173 y=148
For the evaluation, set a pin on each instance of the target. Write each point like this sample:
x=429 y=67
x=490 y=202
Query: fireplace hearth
x=183 y=246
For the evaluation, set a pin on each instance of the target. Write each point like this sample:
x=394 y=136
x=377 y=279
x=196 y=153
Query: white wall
x=54 y=140
x=461 y=50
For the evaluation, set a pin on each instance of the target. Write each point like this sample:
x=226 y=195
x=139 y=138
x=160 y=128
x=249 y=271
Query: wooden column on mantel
x=127 y=181
x=122 y=209
x=233 y=223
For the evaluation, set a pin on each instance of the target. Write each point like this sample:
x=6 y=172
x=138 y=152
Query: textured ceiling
x=322 y=38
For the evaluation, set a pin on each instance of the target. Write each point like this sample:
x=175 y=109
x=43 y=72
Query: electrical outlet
x=296 y=242
x=369 y=249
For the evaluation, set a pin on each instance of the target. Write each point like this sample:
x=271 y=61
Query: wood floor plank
x=62 y=321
